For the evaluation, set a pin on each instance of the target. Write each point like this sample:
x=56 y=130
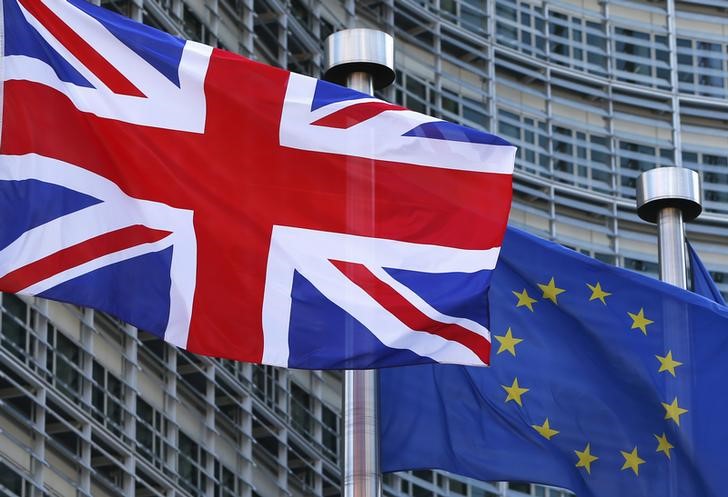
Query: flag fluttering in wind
x=603 y=381
x=703 y=283
x=235 y=209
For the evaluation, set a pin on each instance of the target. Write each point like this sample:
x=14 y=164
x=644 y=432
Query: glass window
x=12 y=482
x=301 y=417
x=64 y=362
x=714 y=196
x=191 y=461
x=520 y=487
x=418 y=491
x=458 y=487
x=448 y=6
x=416 y=94
x=122 y=7
x=450 y=105
x=641 y=57
x=330 y=432
x=107 y=395
x=192 y=24
x=701 y=68
x=507 y=34
x=506 y=11
x=472 y=16
x=473 y=113
x=15 y=337
x=226 y=484
x=266 y=388
x=508 y=129
x=640 y=265
x=423 y=475
x=150 y=428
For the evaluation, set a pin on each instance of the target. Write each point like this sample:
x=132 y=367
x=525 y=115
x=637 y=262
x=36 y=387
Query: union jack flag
x=235 y=209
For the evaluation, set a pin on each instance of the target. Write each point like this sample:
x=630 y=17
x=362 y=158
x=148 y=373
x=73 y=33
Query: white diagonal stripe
x=164 y=105
x=117 y=210
x=381 y=137
x=310 y=253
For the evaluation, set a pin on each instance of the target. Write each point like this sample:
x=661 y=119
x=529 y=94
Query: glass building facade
x=592 y=92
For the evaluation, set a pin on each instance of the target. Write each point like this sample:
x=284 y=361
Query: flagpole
x=669 y=196
x=362 y=59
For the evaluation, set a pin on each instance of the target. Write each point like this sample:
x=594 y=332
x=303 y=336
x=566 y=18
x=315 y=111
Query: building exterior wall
x=592 y=92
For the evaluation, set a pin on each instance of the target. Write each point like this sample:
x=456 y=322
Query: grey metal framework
x=91 y=406
x=593 y=92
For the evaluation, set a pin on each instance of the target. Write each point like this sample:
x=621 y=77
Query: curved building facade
x=592 y=92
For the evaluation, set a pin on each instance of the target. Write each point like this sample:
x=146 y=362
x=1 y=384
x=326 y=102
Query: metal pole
x=361 y=475
x=363 y=60
x=671 y=246
x=360 y=81
x=668 y=196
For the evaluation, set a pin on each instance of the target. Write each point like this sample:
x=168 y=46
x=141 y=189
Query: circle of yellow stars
x=667 y=364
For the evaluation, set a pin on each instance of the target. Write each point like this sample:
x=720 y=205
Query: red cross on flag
x=238 y=210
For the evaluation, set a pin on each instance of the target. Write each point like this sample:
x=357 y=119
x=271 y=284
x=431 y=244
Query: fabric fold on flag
x=235 y=209
x=603 y=381
x=703 y=283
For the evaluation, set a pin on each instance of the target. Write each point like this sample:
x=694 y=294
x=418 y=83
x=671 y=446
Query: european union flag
x=602 y=381
x=703 y=283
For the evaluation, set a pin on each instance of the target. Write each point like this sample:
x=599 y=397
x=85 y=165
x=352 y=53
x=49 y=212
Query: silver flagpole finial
x=668 y=196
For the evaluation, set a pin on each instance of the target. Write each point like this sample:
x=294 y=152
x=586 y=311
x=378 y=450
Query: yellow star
x=674 y=411
x=585 y=458
x=663 y=445
x=551 y=291
x=514 y=392
x=508 y=342
x=598 y=293
x=524 y=299
x=667 y=363
x=632 y=461
x=640 y=321
x=545 y=430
